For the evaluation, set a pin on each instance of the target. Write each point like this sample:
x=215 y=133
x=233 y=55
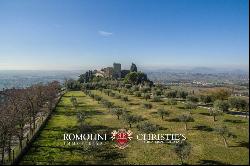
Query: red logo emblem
x=121 y=137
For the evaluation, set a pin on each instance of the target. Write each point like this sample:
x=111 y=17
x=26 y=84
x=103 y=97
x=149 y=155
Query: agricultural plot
x=207 y=146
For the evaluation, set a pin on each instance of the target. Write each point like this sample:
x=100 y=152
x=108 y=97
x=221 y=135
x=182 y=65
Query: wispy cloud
x=104 y=33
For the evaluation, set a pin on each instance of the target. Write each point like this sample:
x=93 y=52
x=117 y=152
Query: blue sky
x=82 y=34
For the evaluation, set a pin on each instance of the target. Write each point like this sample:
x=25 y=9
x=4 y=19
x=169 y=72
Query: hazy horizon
x=140 y=68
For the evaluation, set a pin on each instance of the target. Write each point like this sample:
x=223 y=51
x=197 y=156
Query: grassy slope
x=207 y=146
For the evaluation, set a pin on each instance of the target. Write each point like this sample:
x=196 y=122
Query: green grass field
x=207 y=145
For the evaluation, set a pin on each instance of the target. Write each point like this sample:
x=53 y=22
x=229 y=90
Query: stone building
x=116 y=70
x=108 y=72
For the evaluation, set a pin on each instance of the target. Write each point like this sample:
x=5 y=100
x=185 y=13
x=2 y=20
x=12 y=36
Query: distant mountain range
x=24 y=78
x=201 y=70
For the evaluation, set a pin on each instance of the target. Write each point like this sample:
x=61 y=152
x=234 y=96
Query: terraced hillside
x=207 y=145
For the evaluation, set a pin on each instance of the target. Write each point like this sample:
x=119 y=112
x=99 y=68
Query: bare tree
x=7 y=121
x=19 y=107
x=16 y=101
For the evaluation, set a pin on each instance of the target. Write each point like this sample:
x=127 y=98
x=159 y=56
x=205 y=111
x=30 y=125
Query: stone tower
x=117 y=70
x=133 y=68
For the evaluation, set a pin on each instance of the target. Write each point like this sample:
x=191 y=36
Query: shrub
x=107 y=91
x=72 y=84
x=135 y=88
x=206 y=99
x=148 y=105
x=118 y=96
x=171 y=102
x=171 y=94
x=124 y=90
x=131 y=92
x=125 y=98
x=74 y=102
x=190 y=105
x=147 y=96
x=147 y=127
x=193 y=98
x=108 y=104
x=238 y=103
x=112 y=94
x=182 y=94
x=158 y=92
x=145 y=89
x=128 y=86
x=97 y=98
x=221 y=105
x=156 y=99
x=92 y=96
x=138 y=94
x=119 y=90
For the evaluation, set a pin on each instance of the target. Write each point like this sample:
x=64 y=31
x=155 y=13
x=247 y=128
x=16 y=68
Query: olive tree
x=224 y=133
x=81 y=116
x=186 y=119
x=74 y=102
x=182 y=150
x=162 y=112
x=239 y=104
x=215 y=113
x=146 y=96
x=131 y=119
x=147 y=105
x=190 y=106
x=147 y=127
x=125 y=98
x=117 y=111
x=221 y=105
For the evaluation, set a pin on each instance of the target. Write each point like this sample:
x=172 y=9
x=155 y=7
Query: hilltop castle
x=115 y=71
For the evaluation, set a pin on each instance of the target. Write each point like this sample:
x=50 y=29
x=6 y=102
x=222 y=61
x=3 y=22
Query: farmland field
x=207 y=145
